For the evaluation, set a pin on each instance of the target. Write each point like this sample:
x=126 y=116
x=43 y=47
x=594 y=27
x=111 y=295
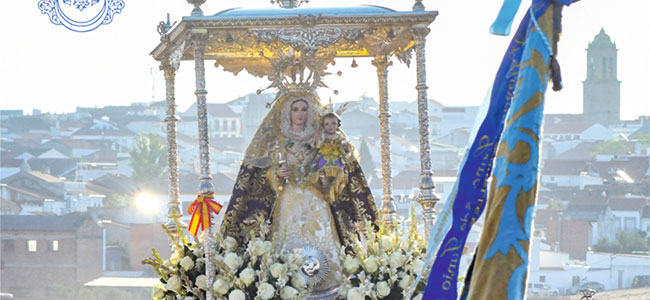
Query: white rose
x=174 y=284
x=259 y=247
x=386 y=242
x=197 y=252
x=396 y=259
x=236 y=295
x=221 y=286
x=403 y=284
x=202 y=282
x=176 y=258
x=298 y=281
x=382 y=289
x=418 y=264
x=350 y=264
x=230 y=243
x=355 y=294
x=158 y=291
x=247 y=276
x=295 y=259
x=265 y=291
x=233 y=261
x=278 y=270
x=187 y=263
x=371 y=264
x=288 y=292
x=418 y=297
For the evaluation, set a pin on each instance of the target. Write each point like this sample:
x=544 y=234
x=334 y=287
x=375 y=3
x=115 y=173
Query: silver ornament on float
x=316 y=266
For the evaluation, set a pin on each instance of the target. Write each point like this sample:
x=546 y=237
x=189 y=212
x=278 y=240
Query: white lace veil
x=276 y=127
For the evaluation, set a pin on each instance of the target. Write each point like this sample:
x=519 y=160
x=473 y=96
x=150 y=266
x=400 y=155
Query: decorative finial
x=197 y=7
x=289 y=3
x=163 y=29
x=418 y=6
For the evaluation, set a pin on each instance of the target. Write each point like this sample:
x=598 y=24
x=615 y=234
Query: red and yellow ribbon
x=201 y=210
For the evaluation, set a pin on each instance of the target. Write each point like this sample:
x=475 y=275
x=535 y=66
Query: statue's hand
x=346 y=147
x=318 y=136
x=283 y=172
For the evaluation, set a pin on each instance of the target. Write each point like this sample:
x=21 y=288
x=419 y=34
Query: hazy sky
x=51 y=68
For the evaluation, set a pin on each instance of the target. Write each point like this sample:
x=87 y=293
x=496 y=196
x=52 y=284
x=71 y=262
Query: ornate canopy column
x=198 y=39
x=198 y=43
x=169 y=65
x=427 y=197
x=388 y=208
x=174 y=210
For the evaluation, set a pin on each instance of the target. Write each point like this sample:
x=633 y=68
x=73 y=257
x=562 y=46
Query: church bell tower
x=601 y=90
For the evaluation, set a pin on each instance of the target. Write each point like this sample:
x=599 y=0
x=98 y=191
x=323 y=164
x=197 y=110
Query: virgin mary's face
x=299 y=113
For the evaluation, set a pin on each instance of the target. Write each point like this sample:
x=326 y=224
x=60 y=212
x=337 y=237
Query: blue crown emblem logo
x=80 y=4
x=81 y=15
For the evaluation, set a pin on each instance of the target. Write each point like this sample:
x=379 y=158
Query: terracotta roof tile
x=583 y=151
x=566 y=127
x=69 y=222
x=44 y=176
x=636 y=166
x=628 y=204
x=564 y=167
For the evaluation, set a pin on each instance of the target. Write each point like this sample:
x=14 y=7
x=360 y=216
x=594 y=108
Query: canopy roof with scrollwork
x=239 y=39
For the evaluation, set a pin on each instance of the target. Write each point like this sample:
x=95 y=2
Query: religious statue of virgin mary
x=277 y=183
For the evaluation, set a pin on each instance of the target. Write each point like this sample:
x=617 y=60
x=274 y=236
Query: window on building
x=575 y=280
x=54 y=245
x=31 y=245
x=542 y=278
x=8 y=245
x=233 y=125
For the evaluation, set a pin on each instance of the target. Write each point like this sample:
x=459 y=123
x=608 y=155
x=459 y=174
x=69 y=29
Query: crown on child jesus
x=329 y=109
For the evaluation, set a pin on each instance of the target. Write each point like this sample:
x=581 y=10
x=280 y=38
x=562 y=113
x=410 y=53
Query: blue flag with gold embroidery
x=508 y=137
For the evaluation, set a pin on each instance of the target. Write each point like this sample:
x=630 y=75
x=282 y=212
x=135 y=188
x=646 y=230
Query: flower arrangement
x=258 y=271
x=383 y=264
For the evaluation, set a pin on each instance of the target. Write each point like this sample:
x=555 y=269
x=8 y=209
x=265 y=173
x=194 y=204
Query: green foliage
x=120 y=200
x=612 y=147
x=644 y=139
x=149 y=159
x=555 y=204
x=626 y=242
